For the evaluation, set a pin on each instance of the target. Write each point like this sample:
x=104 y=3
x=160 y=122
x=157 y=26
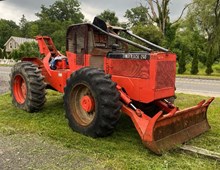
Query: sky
x=14 y=9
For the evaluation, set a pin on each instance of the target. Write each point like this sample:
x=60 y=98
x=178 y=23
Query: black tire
x=27 y=87
x=102 y=119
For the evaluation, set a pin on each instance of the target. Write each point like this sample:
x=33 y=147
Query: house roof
x=20 y=40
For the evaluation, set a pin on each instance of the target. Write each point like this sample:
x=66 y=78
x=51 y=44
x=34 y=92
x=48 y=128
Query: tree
x=62 y=10
x=54 y=20
x=182 y=61
x=24 y=27
x=195 y=62
x=189 y=35
x=137 y=16
x=8 y=28
x=161 y=17
x=59 y=38
x=156 y=12
x=109 y=17
x=206 y=15
x=33 y=29
x=149 y=32
x=209 y=63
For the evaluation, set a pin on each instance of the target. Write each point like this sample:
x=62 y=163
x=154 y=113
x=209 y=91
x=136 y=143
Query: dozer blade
x=166 y=131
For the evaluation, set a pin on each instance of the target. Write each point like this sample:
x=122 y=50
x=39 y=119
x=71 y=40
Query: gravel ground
x=31 y=151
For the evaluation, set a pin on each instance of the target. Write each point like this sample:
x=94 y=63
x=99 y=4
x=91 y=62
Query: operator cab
x=97 y=40
x=85 y=38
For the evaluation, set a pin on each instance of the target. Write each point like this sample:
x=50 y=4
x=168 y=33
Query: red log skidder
x=103 y=73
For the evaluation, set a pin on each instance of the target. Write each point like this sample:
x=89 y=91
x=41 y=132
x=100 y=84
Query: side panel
x=58 y=79
x=133 y=76
x=136 y=88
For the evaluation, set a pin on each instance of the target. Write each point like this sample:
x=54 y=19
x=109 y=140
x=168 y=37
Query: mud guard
x=166 y=131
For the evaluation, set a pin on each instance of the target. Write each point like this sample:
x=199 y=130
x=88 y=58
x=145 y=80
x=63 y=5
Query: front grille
x=165 y=74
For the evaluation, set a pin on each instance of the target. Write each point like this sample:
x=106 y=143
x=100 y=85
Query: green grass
x=123 y=149
x=209 y=77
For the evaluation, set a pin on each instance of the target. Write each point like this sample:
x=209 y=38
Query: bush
x=25 y=50
x=15 y=55
x=209 y=63
x=195 y=62
x=217 y=68
x=182 y=62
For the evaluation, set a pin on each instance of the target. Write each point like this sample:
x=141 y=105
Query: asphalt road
x=4 y=73
x=4 y=78
x=183 y=85
x=198 y=86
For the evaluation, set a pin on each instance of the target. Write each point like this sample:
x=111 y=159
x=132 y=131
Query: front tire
x=91 y=102
x=27 y=87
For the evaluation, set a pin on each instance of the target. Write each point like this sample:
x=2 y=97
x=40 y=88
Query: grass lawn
x=123 y=149
x=210 y=77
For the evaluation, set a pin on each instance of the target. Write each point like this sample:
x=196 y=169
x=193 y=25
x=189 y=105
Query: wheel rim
x=87 y=103
x=82 y=104
x=19 y=89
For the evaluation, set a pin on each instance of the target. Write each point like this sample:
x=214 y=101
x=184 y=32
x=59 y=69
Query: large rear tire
x=91 y=102
x=27 y=87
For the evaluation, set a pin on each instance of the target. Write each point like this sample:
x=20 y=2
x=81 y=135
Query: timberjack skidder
x=103 y=73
